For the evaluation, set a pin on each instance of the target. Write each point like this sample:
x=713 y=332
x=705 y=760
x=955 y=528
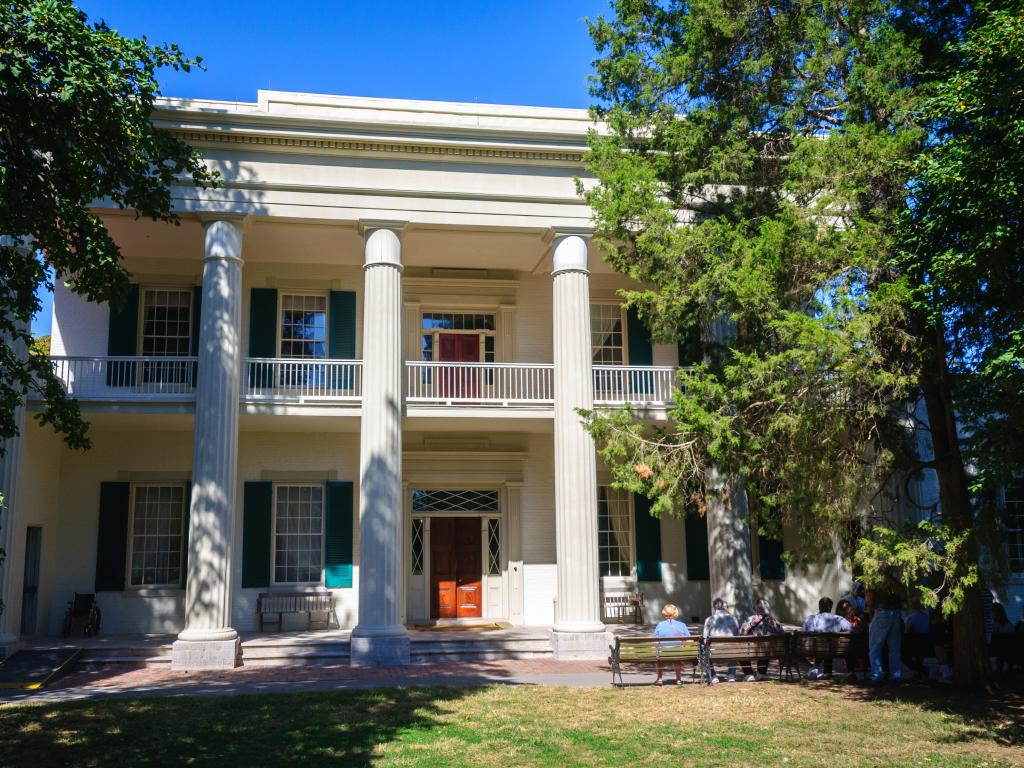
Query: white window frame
x=1018 y=532
x=131 y=535
x=435 y=333
x=623 y=320
x=141 y=320
x=327 y=323
x=273 y=534
x=630 y=577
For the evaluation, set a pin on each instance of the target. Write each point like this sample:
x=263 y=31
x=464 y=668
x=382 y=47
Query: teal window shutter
x=770 y=554
x=338 y=536
x=698 y=567
x=640 y=351
x=123 y=339
x=263 y=331
x=257 y=503
x=342 y=341
x=112 y=537
x=648 y=540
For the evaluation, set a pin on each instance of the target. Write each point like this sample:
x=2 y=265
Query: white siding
x=79 y=326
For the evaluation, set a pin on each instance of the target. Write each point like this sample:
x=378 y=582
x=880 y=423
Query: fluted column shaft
x=578 y=606
x=380 y=637
x=215 y=453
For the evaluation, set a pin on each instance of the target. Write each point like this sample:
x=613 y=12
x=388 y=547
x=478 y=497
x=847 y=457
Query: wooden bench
x=280 y=603
x=651 y=651
x=623 y=605
x=850 y=647
x=746 y=650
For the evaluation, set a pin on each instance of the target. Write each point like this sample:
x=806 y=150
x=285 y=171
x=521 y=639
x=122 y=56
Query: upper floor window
x=1013 y=499
x=607 y=337
x=458 y=337
x=303 y=326
x=166 y=322
x=298 y=534
x=614 y=531
x=157 y=535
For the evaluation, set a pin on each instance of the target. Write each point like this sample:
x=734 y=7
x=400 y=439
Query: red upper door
x=458 y=348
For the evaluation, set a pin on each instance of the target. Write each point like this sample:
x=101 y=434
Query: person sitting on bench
x=824 y=621
x=721 y=623
x=670 y=627
x=760 y=622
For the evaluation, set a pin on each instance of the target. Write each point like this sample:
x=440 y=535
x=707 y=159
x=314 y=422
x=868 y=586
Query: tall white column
x=10 y=517
x=578 y=627
x=380 y=637
x=208 y=640
x=729 y=558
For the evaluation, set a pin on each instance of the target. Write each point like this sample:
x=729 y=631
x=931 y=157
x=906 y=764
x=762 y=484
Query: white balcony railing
x=132 y=378
x=479 y=383
x=282 y=380
x=634 y=384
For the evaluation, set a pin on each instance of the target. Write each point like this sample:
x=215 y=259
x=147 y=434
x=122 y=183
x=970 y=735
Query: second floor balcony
x=502 y=386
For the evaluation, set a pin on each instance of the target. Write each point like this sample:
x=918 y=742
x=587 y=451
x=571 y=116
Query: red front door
x=456 y=568
x=458 y=348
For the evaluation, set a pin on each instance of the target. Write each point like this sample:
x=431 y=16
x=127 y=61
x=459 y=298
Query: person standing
x=885 y=630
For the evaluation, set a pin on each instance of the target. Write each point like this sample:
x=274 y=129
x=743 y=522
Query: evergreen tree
x=757 y=169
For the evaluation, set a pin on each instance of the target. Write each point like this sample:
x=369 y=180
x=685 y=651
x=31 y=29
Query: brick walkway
x=119 y=681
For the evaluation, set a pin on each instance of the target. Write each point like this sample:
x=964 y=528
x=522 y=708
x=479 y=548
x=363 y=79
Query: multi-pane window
x=614 y=532
x=479 y=324
x=166 y=322
x=303 y=326
x=454 y=501
x=166 y=332
x=157 y=535
x=606 y=334
x=1013 y=498
x=298 y=533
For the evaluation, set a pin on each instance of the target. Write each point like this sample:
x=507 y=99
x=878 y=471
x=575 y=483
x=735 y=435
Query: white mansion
x=355 y=368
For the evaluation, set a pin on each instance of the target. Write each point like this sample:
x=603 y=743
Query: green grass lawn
x=764 y=724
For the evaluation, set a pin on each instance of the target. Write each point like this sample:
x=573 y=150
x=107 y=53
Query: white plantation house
x=355 y=369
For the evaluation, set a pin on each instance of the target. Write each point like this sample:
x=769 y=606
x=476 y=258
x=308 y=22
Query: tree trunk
x=972 y=666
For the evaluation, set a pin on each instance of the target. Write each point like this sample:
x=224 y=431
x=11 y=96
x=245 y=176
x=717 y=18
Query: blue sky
x=528 y=52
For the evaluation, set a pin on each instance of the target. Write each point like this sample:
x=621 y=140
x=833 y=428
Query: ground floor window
x=1013 y=498
x=157 y=535
x=298 y=533
x=614 y=531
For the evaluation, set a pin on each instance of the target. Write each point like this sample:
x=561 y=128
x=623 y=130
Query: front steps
x=317 y=648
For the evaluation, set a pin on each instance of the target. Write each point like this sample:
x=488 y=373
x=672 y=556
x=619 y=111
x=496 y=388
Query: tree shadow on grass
x=997 y=717
x=330 y=729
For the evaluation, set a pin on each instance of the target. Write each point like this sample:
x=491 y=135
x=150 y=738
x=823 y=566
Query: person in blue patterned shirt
x=824 y=621
x=721 y=623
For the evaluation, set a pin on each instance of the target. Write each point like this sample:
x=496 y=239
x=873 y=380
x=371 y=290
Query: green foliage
x=40 y=345
x=830 y=194
x=75 y=111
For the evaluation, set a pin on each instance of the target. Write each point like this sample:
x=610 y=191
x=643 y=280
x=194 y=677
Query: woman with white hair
x=760 y=622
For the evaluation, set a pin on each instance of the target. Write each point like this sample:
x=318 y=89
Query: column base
x=10 y=646
x=206 y=654
x=580 y=645
x=379 y=650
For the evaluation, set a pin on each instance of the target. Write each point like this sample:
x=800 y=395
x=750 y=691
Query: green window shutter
x=262 y=332
x=640 y=352
x=258 y=499
x=338 y=536
x=648 y=540
x=185 y=533
x=698 y=567
x=123 y=338
x=342 y=311
x=197 y=313
x=263 y=322
x=770 y=554
x=112 y=536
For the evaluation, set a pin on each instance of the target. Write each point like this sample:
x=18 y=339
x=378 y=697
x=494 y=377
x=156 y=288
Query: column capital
x=557 y=233
x=223 y=240
x=569 y=252
x=368 y=226
x=382 y=245
x=212 y=217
